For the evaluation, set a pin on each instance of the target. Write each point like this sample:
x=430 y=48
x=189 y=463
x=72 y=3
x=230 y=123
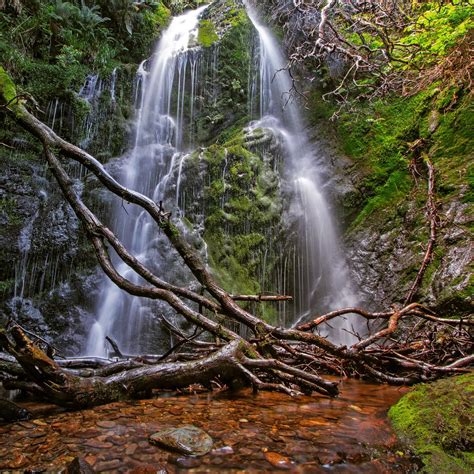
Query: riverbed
x=252 y=433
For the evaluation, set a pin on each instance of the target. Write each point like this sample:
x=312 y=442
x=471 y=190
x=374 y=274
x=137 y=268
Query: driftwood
x=290 y=360
x=10 y=411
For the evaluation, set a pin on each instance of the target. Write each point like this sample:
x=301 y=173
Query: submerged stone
x=187 y=439
x=279 y=461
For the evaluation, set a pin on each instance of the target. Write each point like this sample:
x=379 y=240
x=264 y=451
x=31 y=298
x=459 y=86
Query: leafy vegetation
x=373 y=48
x=207 y=33
x=64 y=40
x=435 y=30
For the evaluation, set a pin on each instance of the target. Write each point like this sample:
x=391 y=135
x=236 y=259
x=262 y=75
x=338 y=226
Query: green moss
x=6 y=286
x=452 y=148
x=229 y=79
x=383 y=137
x=8 y=208
x=394 y=189
x=207 y=35
x=437 y=421
x=7 y=87
x=241 y=203
x=161 y=16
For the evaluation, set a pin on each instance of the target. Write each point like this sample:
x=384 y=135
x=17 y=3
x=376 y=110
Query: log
x=69 y=390
x=10 y=411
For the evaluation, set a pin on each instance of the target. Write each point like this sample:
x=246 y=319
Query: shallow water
x=252 y=433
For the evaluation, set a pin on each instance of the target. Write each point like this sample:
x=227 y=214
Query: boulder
x=187 y=439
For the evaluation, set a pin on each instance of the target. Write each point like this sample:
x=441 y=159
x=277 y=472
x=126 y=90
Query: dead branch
x=365 y=39
x=260 y=298
x=431 y=210
x=115 y=347
x=414 y=309
x=275 y=358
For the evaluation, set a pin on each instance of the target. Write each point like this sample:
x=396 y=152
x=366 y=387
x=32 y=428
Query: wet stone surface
x=186 y=439
x=266 y=432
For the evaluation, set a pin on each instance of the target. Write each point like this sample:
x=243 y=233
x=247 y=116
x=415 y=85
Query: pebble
x=222 y=451
x=186 y=462
x=131 y=448
x=187 y=439
x=107 y=465
x=106 y=424
x=36 y=434
x=279 y=461
x=296 y=433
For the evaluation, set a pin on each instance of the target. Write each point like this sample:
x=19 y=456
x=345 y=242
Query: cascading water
x=157 y=147
x=165 y=106
x=320 y=281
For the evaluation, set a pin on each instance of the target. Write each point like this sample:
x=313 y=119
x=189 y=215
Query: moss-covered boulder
x=437 y=421
x=231 y=195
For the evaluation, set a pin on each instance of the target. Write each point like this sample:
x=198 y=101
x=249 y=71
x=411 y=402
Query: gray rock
x=187 y=439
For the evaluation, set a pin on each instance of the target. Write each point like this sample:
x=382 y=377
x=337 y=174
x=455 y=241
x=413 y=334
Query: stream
x=251 y=433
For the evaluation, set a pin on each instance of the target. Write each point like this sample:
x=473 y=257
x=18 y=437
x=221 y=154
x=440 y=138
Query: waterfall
x=313 y=269
x=320 y=281
x=157 y=148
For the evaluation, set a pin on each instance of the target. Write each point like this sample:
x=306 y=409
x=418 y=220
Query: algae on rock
x=387 y=228
x=436 y=420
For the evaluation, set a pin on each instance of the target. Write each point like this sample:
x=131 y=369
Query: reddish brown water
x=251 y=433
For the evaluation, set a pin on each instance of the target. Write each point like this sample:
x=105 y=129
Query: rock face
x=187 y=439
x=388 y=233
x=385 y=259
x=47 y=268
x=40 y=247
x=230 y=192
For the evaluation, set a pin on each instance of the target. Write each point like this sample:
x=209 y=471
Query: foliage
x=436 y=30
x=437 y=421
x=372 y=48
x=207 y=33
x=65 y=40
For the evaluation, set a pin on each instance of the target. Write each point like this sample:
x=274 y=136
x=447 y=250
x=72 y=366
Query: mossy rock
x=207 y=35
x=7 y=87
x=436 y=420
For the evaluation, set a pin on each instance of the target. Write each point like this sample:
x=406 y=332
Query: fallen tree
x=289 y=360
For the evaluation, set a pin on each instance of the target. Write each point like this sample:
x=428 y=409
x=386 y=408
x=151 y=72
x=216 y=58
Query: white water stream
x=156 y=147
x=321 y=281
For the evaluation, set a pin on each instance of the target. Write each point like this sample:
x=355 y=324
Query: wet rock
x=223 y=451
x=279 y=461
x=107 y=465
x=95 y=444
x=186 y=439
x=185 y=462
x=78 y=466
x=9 y=411
x=151 y=469
x=131 y=448
x=106 y=424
